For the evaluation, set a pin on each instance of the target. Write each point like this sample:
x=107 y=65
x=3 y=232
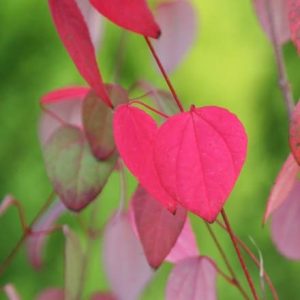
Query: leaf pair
x=193 y=159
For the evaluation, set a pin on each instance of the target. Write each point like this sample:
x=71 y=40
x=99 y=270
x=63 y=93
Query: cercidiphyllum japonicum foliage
x=89 y=141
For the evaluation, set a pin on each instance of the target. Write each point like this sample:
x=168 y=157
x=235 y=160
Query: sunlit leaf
x=133 y=15
x=158 y=229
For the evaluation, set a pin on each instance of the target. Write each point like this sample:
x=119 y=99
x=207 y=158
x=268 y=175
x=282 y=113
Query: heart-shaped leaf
x=133 y=15
x=199 y=155
x=158 y=229
x=294 y=134
x=76 y=175
x=97 y=120
x=75 y=36
x=294 y=21
x=134 y=133
x=194 y=279
x=124 y=260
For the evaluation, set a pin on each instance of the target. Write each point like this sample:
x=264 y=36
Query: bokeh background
x=231 y=64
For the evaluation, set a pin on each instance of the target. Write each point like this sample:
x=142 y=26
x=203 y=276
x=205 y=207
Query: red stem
x=164 y=73
x=150 y=108
x=240 y=257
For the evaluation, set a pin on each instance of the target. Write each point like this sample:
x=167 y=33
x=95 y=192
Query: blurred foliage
x=231 y=64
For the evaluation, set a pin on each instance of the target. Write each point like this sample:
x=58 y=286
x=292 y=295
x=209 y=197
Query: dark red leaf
x=133 y=15
x=158 y=229
x=75 y=35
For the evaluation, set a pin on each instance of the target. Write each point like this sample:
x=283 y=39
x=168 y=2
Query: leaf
x=198 y=156
x=294 y=21
x=283 y=186
x=75 y=36
x=76 y=175
x=102 y=296
x=35 y=242
x=124 y=261
x=52 y=294
x=178 y=22
x=62 y=106
x=286 y=224
x=158 y=229
x=186 y=245
x=97 y=120
x=133 y=15
x=74 y=264
x=194 y=279
x=11 y=292
x=294 y=132
x=279 y=11
x=134 y=133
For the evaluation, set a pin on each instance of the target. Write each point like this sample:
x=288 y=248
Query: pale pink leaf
x=279 y=12
x=286 y=224
x=194 y=279
x=124 y=260
x=7 y=202
x=133 y=15
x=199 y=155
x=294 y=21
x=11 y=292
x=178 y=22
x=36 y=241
x=158 y=229
x=52 y=294
x=294 y=132
x=74 y=33
x=283 y=186
x=186 y=245
x=134 y=133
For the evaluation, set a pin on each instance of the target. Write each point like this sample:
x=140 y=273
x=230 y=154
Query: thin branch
x=150 y=108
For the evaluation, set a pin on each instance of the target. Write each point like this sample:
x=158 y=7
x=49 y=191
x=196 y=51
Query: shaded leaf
x=199 y=155
x=52 y=294
x=194 y=279
x=283 y=185
x=133 y=15
x=75 y=36
x=125 y=264
x=186 y=245
x=76 y=175
x=294 y=21
x=286 y=224
x=178 y=22
x=134 y=133
x=158 y=229
x=35 y=242
x=294 y=134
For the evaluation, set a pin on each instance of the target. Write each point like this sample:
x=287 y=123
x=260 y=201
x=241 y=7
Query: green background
x=231 y=64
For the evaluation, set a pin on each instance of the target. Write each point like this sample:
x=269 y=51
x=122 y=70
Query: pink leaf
x=102 y=296
x=194 y=279
x=61 y=106
x=199 y=155
x=186 y=245
x=52 y=294
x=158 y=229
x=74 y=34
x=35 y=243
x=279 y=11
x=133 y=15
x=283 y=185
x=178 y=23
x=294 y=21
x=294 y=134
x=126 y=266
x=134 y=133
x=7 y=202
x=286 y=224
x=11 y=292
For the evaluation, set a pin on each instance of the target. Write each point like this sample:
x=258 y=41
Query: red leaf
x=199 y=155
x=283 y=185
x=51 y=294
x=74 y=34
x=194 y=279
x=133 y=15
x=294 y=134
x=286 y=224
x=279 y=11
x=186 y=245
x=158 y=229
x=126 y=266
x=178 y=23
x=294 y=21
x=134 y=133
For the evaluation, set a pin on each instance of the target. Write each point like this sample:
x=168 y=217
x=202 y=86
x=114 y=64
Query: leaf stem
x=240 y=257
x=164 y=73
x=150 y=108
